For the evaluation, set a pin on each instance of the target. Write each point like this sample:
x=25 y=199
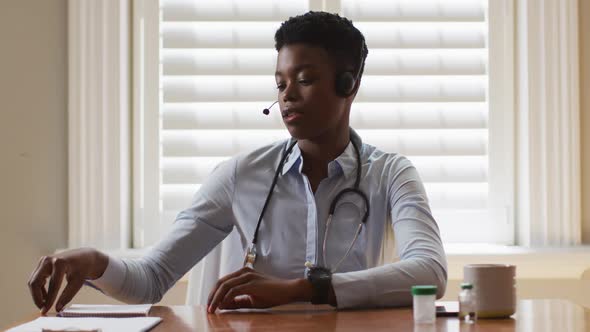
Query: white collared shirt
x=293 y=228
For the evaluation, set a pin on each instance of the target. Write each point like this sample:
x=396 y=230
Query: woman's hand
x=76 y=265
x=247 y=288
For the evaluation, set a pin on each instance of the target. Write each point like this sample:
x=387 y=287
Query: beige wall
x=585 y=114
x=33 y=136
x=33 y=145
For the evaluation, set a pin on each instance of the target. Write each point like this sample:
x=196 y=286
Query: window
x=427 y=92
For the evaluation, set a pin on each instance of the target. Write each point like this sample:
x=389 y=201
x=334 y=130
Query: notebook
x=447 y=308
x=105 y=310
x=135 y=324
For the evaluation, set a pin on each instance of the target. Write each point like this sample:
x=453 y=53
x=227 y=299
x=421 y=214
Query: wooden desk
x=531 y=316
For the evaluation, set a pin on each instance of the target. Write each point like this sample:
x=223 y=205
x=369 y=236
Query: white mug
x=495 y=288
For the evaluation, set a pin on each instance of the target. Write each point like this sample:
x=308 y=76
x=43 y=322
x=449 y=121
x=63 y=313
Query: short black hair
x=329 y=31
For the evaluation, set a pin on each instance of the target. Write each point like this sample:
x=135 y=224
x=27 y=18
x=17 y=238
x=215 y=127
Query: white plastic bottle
x=467 y=304
x=423 y=304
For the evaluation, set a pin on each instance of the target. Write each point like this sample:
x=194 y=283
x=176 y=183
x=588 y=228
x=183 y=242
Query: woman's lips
x=291 y=116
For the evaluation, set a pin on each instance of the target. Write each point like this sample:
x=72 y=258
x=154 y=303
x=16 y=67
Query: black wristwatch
x=321 y=281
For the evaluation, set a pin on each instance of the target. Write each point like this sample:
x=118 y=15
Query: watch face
x=320 y=273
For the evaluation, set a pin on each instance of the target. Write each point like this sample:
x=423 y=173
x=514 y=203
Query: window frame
x=147 y=94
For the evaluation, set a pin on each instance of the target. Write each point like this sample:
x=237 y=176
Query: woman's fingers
x=224 y=279
x=77 y=265
x=73 y=286
x=57 y=275
x=226 y=286
x=238 y=297
x=44 y=291
x=37 y=281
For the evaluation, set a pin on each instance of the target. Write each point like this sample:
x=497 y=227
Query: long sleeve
x=195 y=232
x=418 y=242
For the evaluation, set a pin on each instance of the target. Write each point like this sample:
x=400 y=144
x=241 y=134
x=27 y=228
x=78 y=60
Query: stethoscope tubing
x=251 y=252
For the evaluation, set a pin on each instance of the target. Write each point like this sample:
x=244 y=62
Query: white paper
x=106 y=310
x=134 y=324
x=449 y=306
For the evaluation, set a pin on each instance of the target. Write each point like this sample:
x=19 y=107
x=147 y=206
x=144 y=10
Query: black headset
x=346 y=81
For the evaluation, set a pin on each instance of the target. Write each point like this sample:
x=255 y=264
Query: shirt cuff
x=352 y=289
x=113 y=277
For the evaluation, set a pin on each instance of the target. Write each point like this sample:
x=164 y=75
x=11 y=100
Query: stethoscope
x=250 y=257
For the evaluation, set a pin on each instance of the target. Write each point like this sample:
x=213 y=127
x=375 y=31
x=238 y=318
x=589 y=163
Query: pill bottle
x=423 y=304
x=467 y=305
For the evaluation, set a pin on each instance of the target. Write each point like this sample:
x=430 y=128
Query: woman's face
x=306 y=92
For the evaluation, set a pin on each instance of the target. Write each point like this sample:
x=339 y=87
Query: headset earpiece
x=345 y=83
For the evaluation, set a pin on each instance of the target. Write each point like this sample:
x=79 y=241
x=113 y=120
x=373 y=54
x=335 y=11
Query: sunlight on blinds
x=423 y=93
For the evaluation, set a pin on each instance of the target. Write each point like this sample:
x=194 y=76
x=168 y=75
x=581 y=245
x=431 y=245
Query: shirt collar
x=293 y=159
x=345 y=163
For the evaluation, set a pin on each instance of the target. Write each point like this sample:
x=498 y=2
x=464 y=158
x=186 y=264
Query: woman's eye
x=282 y=86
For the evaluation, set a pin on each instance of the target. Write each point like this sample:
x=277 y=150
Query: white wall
x=585 y=113
x=33 y=134
x=33 y=146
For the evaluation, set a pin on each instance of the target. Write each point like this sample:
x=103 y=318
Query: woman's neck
x=319 y=152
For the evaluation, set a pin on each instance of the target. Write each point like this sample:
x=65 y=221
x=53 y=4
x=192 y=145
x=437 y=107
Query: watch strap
x=321 y=281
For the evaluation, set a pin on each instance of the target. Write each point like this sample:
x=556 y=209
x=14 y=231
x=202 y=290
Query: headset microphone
x=266 y=111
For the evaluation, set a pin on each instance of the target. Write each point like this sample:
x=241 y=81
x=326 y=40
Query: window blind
x=423 y=93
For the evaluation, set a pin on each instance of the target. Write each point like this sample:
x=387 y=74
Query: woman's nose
x=290 y=93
